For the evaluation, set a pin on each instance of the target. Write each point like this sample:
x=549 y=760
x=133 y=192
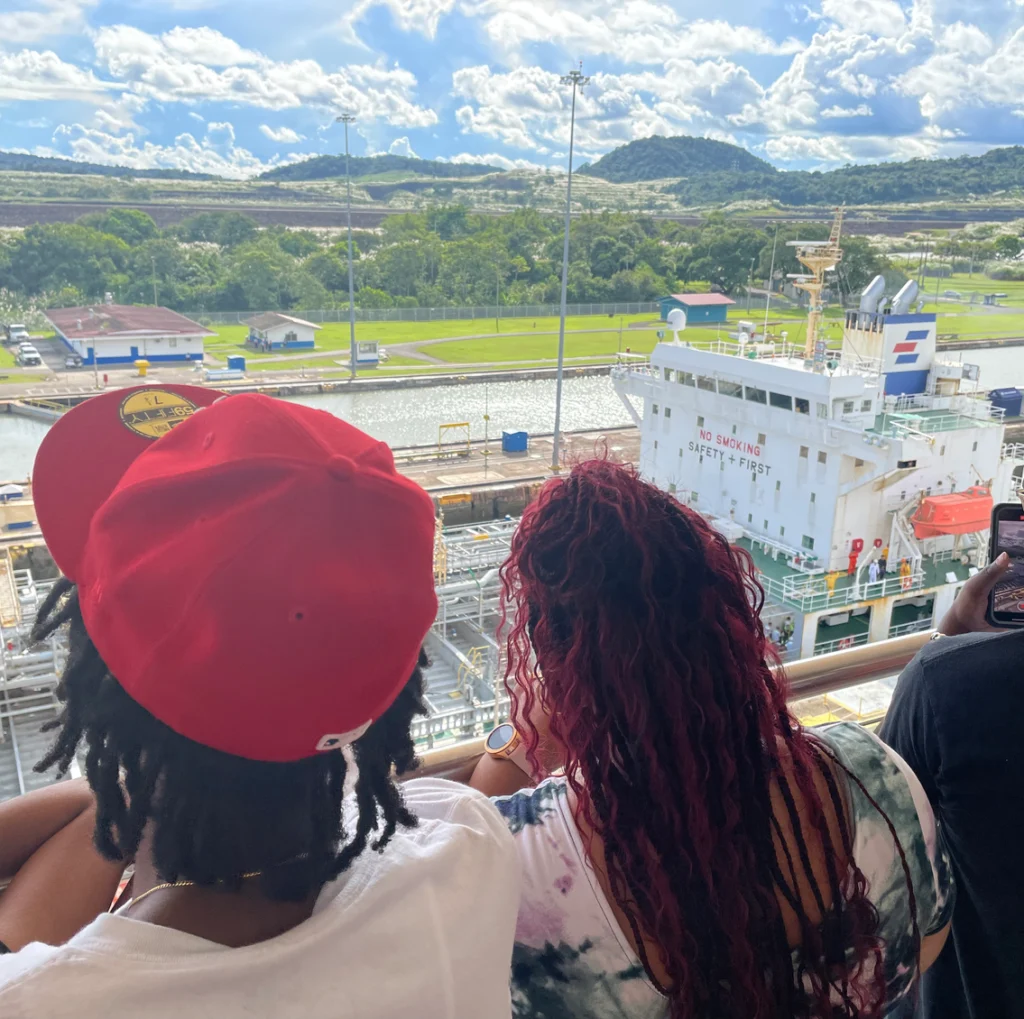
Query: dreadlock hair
x=217 y=816
x=649 y=656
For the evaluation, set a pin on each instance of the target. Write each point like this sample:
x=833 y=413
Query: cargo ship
x=860 y=478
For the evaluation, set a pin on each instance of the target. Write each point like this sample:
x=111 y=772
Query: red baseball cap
x=255 y=573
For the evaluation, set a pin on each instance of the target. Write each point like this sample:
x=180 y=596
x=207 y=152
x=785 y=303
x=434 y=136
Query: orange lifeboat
x=960 y=513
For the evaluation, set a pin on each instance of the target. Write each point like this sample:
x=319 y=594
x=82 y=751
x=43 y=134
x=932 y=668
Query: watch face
x=501 y=736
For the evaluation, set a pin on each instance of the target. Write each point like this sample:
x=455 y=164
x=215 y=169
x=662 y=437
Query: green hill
x=322 y=167
x=656 y=158
x=25 y=163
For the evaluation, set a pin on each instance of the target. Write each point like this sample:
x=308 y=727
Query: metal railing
x=917 y=626
x=812 y=594
x=809 y=677
x=478 y=311
x=826 y=647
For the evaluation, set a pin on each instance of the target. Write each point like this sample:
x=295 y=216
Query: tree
x=131 y=225
x=49 y=256
x=329 y=269
x=228 y=229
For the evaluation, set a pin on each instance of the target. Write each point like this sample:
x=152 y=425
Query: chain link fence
x=435 y=314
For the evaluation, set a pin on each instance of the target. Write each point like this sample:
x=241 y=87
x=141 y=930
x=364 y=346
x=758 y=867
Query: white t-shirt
x=423 y=930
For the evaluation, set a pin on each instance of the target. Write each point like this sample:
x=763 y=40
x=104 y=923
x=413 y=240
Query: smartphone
x=1006 y=602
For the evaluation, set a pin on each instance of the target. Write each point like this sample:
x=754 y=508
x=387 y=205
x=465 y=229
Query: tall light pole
x=346 y=119
x=576 y=79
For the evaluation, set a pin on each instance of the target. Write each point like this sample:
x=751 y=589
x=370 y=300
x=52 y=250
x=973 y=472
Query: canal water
x=409 y=417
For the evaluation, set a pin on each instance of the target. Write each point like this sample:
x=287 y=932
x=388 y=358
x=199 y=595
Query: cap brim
x=86 y=452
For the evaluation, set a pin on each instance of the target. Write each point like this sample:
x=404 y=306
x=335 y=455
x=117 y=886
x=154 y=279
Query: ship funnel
x=904 y=300
x=871 y=300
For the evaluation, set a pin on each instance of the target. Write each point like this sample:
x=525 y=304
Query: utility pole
x=750 y=283
x=152 y=259
x=346 y=119
x=576 y=79
x=497 y=298
x=768 y=285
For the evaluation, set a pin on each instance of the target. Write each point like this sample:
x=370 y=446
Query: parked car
x=953 y=295
x=382 y=355
x=29 y=356
x=73 y=361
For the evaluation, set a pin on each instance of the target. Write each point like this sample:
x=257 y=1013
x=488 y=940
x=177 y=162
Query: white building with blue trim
x=113 y=334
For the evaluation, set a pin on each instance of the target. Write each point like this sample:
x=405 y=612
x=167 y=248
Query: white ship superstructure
x=823 y=463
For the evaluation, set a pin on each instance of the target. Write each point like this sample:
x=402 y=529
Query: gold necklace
x=175 y=884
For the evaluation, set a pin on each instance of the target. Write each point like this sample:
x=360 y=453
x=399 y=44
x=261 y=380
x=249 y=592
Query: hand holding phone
x=1006 y=538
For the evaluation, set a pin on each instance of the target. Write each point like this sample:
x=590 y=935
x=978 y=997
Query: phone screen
x=1006 y=606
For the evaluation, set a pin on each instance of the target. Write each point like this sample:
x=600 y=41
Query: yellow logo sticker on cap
x=154 y=412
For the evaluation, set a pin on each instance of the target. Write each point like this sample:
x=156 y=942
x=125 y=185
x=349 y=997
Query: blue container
x=236 y=363
x=514 y=442
x=1009 y=399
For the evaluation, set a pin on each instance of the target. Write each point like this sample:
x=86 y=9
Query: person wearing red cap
x=246 y=585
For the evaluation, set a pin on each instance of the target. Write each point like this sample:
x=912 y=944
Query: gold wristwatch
x=503 y=740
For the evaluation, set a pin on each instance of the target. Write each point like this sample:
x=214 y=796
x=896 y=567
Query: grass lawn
x=7 y=357
x=23 y=380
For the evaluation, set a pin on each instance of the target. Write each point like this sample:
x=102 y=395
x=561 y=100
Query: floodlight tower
x=576 y=79
x=346 y=119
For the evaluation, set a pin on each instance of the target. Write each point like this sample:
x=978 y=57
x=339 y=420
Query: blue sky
x=232 y=87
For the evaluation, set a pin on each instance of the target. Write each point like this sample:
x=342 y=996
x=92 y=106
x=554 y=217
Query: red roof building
x=124 y=333
x=698 y=307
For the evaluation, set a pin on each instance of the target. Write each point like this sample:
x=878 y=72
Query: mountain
x=54 y=164
x=916 y=180
x=321 y=167
x=656 y=158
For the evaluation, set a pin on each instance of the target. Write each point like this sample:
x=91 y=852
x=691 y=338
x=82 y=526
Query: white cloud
x=281 y=135
x=401 y=147
x=869 y=17
x=496 y=159
x=193 y=66
x=633 y=31
x=43 y=19
x=40 y=75
x=527 y=108
x=840 y=111
x=217 y=153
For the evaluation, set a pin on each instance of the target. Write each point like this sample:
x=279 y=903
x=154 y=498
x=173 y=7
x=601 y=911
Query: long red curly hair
x=638 y=627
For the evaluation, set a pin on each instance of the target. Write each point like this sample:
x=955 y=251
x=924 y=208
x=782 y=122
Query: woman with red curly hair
x=697 y=853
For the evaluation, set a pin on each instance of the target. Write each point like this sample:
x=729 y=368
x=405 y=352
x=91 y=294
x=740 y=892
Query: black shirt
x=956 y=719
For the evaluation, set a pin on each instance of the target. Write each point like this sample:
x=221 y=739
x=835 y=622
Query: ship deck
x=927 y=421
x=805 y=592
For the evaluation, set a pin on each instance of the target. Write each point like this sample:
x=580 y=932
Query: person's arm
x=60 y=882
x=26 y=822
x=498 y=776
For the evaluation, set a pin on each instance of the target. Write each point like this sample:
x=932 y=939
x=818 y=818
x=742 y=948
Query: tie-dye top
x=571 y=959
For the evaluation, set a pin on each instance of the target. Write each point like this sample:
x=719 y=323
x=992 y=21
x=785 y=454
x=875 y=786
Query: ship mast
x=819 y=257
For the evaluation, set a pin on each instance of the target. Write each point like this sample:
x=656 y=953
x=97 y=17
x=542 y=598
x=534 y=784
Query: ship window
x=680 y=450
x=778 y=486
x=700 y=421
x=866 y=406
x=766 y=525
x=750 y=518
x=906 y=463
x=655 y=443
x=823 y=410
x=782 y=531
x=734 y=429
x=703 y=382
x=671 y=488
x=761 y=438
x=848 y=407
x=814 y=497
x=687 y=379
x=668 y=412
x=730 y=389
x=694 y=496
x=756 y=395
x=721 y=465
x=668 y=374
x=803 y=406
x=807 y=541
x=942 y=450
x=781 y=400
x=654 y=408
x=974 y=448
x=804 y=452
x=822 y=456
x=858 y=462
